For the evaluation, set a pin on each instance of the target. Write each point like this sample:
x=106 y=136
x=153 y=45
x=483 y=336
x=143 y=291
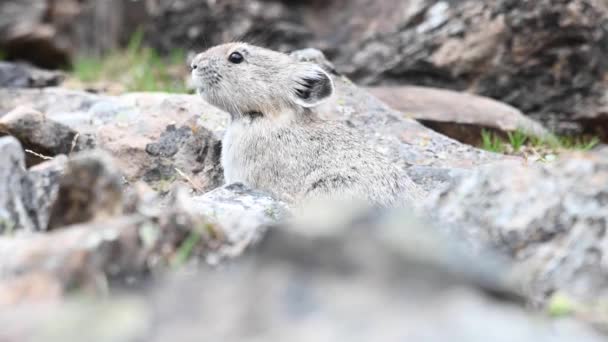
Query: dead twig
x=38 y=155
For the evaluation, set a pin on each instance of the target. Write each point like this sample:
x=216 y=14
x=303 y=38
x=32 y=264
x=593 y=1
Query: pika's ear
x=312 y=85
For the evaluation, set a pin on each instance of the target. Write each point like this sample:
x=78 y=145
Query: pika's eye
x=235 y=58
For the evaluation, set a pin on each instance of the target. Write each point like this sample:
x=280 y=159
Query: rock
x=542 y=57
x=244 y=213
x=27 y=196
x=157 y=137
x=13 y=212
x=43 y=136
x=194 y=23
x=25 y=76
x=90 y=189
x=102 y=230
x=41 y=187
x=460 y=116
x=27 y=201
x=314 y=286
x=48 y=33
x=549 y=218
x=34 y=31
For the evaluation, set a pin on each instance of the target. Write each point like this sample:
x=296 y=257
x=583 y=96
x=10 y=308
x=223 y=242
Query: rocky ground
x=114 y=214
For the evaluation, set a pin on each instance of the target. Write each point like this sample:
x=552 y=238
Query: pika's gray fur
x=277 y=143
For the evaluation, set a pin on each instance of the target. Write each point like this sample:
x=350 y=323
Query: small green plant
x=560 y=305
x=579 y=143
x=517 y=139
x=490 y=141
x=2 y=55
x=136 y=68
x=185 y=250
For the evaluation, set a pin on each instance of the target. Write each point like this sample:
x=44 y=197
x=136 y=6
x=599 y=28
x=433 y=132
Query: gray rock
x=42 y=135
x=478 y=46
x=25 y=76
x=549 y=218
x=27 y=196
x=160 y=138
x=89 y=189
x=41 y=188
x=13 y=212
x=243 y=213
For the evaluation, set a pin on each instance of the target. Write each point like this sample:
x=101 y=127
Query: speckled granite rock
x=549 y=218
x=244 y=213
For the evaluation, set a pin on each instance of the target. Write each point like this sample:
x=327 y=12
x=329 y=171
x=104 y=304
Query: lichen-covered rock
x=159 y=138
x=549 y=218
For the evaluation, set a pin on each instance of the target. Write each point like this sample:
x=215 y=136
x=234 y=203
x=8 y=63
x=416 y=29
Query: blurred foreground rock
x=107 y=231
x=379 y=277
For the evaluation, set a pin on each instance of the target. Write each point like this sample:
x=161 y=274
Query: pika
x=276 y=142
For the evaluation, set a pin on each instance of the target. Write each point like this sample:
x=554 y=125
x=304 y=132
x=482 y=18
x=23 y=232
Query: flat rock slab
x=458 y=115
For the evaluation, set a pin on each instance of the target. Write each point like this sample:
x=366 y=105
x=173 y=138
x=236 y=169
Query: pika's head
x=243 y=79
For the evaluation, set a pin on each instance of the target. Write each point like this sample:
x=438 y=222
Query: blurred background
x=545 y=58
